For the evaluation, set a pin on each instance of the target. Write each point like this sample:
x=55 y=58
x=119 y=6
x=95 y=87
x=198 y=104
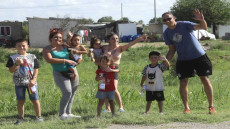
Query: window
x=5 y=30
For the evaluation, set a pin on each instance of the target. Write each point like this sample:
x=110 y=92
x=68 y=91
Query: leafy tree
x=25 y=29
x=159 y=20
x=125 y=19
x=140 y=22
x=106 y=19
x=215 y=11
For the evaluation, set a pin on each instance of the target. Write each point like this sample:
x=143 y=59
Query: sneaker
x=212 y=110
x=106 y=111
x=121 y=110
x=186 y=111
x=161 y=113
x=39 y=119
x=73 y=116
x=20 y=120
x=64 y=117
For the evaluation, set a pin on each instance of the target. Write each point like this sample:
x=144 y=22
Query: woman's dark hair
x=53 y=32
x=110 y=35
x=93 y=40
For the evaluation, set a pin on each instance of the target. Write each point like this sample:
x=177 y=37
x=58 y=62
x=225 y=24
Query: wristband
x=64 y=61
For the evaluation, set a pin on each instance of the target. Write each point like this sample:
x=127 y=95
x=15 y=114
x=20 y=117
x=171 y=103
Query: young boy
x=24 y=67
x=106 y=87
x=153 y=75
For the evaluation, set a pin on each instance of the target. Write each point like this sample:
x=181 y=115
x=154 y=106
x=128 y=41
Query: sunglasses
x=167 y=19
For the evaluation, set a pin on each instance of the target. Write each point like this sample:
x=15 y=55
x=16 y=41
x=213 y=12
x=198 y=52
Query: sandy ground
x=176 y=125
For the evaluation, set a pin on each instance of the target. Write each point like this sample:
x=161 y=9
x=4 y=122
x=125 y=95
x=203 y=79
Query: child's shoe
x=186 y=111
x=73 y=116
x=64 y=117
x=20 y=120
x=121 y=110
x=39 y=119
x=212 y=110
x=106 y=111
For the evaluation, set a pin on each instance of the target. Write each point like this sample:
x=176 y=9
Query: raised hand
x=198 y=15
x=69 y=34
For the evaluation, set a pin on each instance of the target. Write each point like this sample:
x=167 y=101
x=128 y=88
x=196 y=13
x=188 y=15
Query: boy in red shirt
x=106 y=87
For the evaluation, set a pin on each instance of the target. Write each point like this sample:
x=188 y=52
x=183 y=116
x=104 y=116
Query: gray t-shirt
x=24 y=73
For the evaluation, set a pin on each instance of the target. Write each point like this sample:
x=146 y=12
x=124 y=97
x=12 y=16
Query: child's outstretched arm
x=81 y=51
x=139 y=39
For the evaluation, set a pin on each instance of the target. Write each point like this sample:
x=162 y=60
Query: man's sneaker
x=212 y=110
x=20 y=120
x=121 y=110
x=106 y=111
x=186 y=111
x=64 y=116
x=73 y=116
x=39 y=119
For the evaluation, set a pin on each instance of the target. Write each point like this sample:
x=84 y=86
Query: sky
x=135 y=10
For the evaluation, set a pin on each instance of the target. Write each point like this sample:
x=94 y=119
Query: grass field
x=132 y=64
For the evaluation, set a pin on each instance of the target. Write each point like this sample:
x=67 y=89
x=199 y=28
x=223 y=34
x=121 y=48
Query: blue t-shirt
x=182 y=37
x=64 y=54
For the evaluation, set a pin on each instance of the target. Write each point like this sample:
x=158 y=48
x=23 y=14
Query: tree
x=159 y=20
x=140 y=22
x=125 y=19
x=215 y=11
x=106 y=19
x=25 y=30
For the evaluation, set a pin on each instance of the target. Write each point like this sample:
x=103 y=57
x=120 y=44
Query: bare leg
x=107 y=104
x=112 y=106
x=160 y=106
x=208 y=89
x=99 y=106
x=37 y=107
x=184 y=92
x=148 y=105
x=74 y=73
x=20 y=106
x=117 y=95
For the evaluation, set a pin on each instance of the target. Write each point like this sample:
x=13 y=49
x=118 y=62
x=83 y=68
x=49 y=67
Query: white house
x=222 y=29
x=39 y=29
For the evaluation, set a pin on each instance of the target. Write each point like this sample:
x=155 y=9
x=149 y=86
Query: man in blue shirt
x=180 y=38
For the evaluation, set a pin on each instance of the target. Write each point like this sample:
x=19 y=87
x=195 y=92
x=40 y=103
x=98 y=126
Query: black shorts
x=186 y=69
x=155 y=95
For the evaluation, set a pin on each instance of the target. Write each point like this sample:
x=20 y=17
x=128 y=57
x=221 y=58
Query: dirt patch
x=176 y=125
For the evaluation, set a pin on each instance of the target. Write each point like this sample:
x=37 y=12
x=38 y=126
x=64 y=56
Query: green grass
x=132 y=63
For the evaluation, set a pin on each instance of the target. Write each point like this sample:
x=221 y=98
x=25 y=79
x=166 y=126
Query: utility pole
x=155 y=13
x=121 y=12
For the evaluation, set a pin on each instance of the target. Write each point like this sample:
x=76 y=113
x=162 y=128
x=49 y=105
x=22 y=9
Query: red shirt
x=109 y=79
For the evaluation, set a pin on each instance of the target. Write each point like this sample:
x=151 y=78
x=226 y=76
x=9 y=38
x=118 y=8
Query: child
x=95 y=51
x=76 y=50
x=153 y=75
x=106 y=87
x=24 y=67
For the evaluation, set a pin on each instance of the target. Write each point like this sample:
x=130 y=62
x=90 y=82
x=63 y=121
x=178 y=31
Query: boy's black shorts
x=155 y=95
x=186 y=69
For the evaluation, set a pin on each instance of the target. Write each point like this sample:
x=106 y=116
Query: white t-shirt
x=154 y=80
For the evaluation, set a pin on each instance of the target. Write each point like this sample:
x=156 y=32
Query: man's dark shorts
x=155 y=95
x=202 y=66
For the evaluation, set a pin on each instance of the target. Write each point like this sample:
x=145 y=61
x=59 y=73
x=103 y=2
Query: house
x=10 y=32
x=222 y=30
x=39 y=29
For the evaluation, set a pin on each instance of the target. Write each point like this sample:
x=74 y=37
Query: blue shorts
x=105 y=95
x=21 y=90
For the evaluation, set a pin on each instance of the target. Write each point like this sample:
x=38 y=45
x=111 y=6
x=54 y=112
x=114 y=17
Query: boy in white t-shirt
x=153 y=76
